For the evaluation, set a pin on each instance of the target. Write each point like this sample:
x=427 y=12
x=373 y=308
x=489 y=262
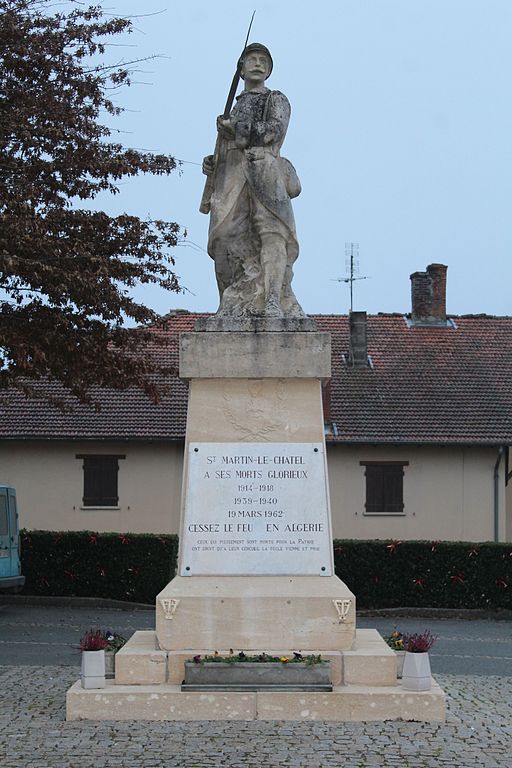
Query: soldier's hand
x=243 y=134
x=225 y=128
x=208 y=165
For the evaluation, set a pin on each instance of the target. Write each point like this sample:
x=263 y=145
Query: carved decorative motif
x=255 y=422
x=342 y=608
x=169 y=606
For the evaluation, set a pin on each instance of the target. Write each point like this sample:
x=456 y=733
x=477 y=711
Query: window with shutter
x=384 y=487
x=100 y=480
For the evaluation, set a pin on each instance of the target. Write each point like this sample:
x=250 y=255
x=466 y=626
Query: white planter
x=416 y=674
x=93 y=669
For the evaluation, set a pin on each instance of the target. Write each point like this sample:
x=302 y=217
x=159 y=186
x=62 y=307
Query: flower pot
x=416 y=674
x=400 y=658
x=257 y=676
x=93 y=669
x=110 y=664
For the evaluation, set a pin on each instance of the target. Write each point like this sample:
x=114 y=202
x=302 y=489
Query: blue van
x=10 y=566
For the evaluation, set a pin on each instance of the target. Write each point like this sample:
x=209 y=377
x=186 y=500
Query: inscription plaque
x=256 y=508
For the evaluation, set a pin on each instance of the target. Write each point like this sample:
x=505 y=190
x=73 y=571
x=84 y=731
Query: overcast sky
x=401 y=134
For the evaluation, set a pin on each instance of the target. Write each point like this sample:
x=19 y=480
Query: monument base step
x=263 y=612
x=369 y=661
x=349 y=703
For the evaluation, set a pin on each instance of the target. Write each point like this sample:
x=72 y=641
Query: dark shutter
x=384 y=486
x=100 y=481
x=392 y=489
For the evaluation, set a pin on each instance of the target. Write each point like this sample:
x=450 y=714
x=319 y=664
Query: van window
x=12 y=511
x=4 y=527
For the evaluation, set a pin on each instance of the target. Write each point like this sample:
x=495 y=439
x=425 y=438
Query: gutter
x=501 y=451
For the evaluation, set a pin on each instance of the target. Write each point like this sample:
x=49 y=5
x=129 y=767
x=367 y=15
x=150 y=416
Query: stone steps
x=168 y=702
x=148 y=687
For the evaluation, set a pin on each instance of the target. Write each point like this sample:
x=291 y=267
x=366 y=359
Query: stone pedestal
x=255 y=398
x=256 y=569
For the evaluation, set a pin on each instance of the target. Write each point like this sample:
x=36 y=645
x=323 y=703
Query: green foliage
x=392 y=574
x=395 y=640
x=114 y=641
x=382 y=574
x=130 y=566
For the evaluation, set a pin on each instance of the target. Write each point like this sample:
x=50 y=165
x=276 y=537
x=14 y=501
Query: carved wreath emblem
x=255 y=424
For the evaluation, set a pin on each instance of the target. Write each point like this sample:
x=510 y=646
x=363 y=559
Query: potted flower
x=416 y=674
x=92 y=645
x=114 y=643
x=396 y=642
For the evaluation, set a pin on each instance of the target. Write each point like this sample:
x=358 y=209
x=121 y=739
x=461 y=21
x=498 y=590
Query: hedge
x=382 y=574
x=129 y=566
x=391 y=574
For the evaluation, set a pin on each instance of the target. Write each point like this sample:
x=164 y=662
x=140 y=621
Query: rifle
x=210 y=180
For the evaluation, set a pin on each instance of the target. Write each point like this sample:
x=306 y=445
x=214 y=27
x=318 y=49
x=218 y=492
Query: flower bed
x=257 y=673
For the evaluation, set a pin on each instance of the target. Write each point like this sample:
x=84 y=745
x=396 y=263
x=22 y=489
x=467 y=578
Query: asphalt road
x=44 y=635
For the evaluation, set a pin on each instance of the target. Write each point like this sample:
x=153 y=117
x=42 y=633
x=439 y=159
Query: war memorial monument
x=256 y=570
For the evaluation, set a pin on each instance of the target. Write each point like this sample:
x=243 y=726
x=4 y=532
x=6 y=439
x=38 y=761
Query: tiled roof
x=425 y=385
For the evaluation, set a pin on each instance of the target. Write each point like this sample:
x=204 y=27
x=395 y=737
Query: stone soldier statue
x=252 y=236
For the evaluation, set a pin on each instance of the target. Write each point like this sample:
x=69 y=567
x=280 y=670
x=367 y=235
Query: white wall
x=49 y=484
x=448 y=494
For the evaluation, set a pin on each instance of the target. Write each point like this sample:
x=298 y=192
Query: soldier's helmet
x=258 y=47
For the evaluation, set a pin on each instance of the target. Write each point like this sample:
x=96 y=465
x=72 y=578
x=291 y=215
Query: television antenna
x=352 y=269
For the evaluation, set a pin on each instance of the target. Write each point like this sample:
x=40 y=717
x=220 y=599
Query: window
x=384 y=487
x=100 y=480
x=4 y=524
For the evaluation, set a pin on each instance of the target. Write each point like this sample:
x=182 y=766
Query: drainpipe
x=501 y=451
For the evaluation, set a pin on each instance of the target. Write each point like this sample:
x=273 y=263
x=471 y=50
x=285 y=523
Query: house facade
x=418 y=424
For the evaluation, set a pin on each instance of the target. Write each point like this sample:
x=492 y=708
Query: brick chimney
x=358 y=345
x=428 y=294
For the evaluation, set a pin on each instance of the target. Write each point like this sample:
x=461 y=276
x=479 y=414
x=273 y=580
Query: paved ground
x=34 y=734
